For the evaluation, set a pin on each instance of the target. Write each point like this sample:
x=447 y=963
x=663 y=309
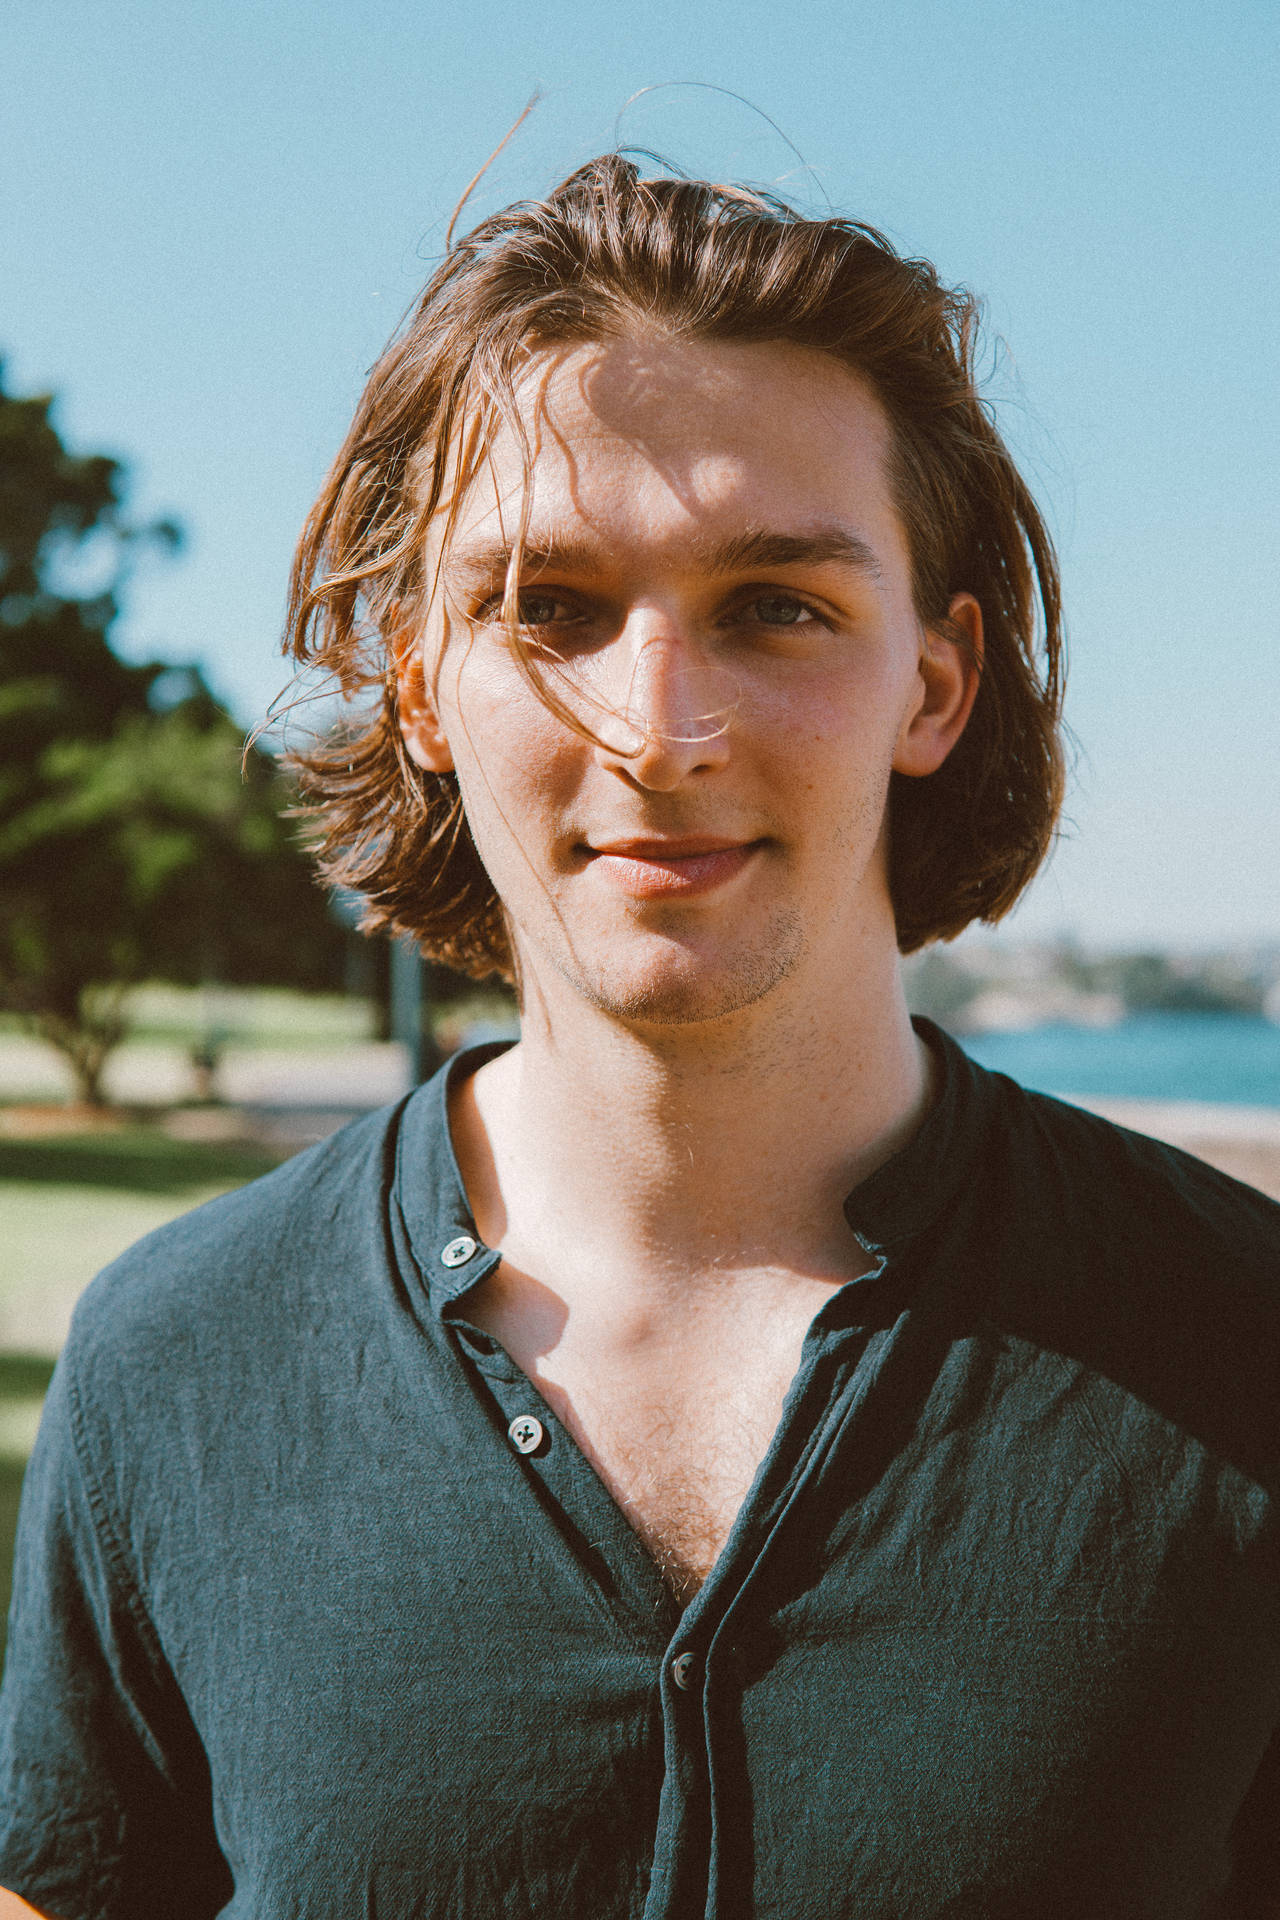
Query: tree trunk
x=87 y=1038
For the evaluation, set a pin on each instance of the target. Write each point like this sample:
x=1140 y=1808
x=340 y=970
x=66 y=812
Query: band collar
x=902 y=1198
x=428 y=1189
x=887 y=1210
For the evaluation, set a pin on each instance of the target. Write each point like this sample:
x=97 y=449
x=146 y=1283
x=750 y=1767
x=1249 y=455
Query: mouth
x=674 y=867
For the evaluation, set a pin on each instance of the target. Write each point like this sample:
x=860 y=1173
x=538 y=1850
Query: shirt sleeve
x=105 y=1801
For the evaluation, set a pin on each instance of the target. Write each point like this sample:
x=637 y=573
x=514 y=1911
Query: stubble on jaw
x=685 y=997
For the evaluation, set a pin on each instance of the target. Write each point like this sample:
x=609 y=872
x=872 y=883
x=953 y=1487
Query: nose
x=669 y=708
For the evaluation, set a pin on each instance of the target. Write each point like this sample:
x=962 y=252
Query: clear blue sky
x=211 y=216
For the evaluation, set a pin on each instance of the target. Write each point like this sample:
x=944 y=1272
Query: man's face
x=716 y=581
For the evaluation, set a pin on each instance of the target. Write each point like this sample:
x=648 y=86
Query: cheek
x=516 y=763
x=832 y=757
x=837 y=730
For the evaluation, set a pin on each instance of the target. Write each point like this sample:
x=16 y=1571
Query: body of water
x=1227 y=1057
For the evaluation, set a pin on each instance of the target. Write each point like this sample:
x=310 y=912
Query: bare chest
x=677 y=1429
x=680 y=1466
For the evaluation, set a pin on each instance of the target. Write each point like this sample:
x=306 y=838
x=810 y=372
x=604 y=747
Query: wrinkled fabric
x=299 y=1631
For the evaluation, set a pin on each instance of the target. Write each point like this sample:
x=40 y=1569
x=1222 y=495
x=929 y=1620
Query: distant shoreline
x=1149 y=1061
x=1178 y=1120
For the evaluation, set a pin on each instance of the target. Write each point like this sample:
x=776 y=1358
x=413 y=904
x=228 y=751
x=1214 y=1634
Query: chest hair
x=679 y=1448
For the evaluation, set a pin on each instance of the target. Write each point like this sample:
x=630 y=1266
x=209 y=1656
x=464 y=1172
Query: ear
x=420 y=727
x=949 y=668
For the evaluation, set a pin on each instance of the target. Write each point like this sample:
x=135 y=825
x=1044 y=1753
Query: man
x=724 y=1455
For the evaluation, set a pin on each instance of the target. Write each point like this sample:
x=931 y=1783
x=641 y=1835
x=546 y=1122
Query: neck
x=681 y=1150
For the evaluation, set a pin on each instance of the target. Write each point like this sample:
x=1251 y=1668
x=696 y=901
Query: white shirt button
x=682 y=1671
x=458 y=1251
x=525 y=1433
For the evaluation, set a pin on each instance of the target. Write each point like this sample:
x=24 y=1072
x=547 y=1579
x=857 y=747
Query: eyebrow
x=754 y=548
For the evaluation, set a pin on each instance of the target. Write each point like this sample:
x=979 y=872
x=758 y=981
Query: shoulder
x=1150 y=1267
x=1140 y=1190
x=242 y=1268
x=1027 y=1164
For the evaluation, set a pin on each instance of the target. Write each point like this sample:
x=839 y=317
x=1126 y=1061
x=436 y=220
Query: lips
x=649 y=869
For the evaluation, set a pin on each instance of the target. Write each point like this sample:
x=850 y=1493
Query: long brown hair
x=606 y=254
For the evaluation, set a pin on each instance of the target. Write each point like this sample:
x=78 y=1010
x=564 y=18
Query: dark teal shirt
x=301 y=1629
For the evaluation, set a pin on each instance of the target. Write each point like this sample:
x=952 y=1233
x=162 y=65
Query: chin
x=681 y=987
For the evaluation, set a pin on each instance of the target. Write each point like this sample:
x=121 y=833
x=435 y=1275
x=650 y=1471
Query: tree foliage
x=137 y=838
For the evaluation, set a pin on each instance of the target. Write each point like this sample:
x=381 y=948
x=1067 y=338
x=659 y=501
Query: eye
x=779 y=610
x=534 y=609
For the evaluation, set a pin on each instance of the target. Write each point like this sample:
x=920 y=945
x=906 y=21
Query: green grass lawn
x=70 y=1203
x=250 y=1016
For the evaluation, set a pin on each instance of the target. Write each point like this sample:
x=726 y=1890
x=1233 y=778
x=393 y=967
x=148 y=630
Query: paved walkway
x=286 y=1095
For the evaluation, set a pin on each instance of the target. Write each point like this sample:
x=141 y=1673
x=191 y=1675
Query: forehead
x=649 y=439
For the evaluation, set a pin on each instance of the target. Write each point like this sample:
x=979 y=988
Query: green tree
x=137 y=839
